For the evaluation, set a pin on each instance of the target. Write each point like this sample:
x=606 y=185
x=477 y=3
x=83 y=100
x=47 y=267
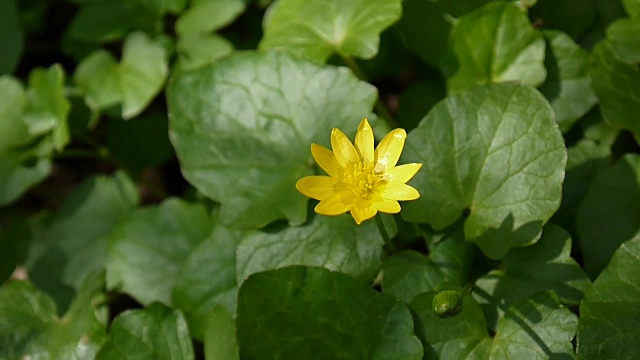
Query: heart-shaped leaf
x=493 y=44
x=496 y=152
x=313 y=313
x=242 y=129
x=315 y=29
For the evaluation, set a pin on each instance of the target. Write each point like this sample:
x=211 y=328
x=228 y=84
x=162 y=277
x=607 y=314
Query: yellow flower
x=361 y=180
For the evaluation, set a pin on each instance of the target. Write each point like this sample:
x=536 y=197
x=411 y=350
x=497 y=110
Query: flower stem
x=385 y=235
x=380 y=107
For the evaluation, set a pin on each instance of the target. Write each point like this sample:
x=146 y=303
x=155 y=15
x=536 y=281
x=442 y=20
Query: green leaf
x=586 y=159
x=573 y=17
x=147 y=250
x=47 y=108
x=546 y=265
x=196 y=50
x=495 y=43
x=536 y=328
x=568 y=85
x=142 y=143
x=74 y=244
x=157 y=332
x=617 y=85
x=316 y=29
x=410 y=273
x=209 y=15
x=11 y=42
x=220 y=336
x=624 y=37
x=335 y=243
x=207 y=279
x=31 y=329
x=632 y=7
x=610 y=312
x=242 y=128
x=426 y=25
x=133 y=83
x=610 y=213
x=496 y=152
x=313 y=313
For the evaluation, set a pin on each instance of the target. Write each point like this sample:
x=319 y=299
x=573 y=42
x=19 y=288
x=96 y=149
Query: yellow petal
x=317 y=187
x=343 y=149
x=325 y=158
x=364 y=142
x=388 y=206
x=400 y=192
x=332 y=205
x=361 y=214
x=389 y=150
x=401 y=174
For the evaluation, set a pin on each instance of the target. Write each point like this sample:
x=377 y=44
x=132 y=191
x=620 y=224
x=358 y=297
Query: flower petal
x=317 y=187
x=388 y=206
x=343 y=149
x=361 y=214
x=388 y=151
x=325 y=158
x=401 y=174
x=400 y=192
x=364 y=142
x=332 y=205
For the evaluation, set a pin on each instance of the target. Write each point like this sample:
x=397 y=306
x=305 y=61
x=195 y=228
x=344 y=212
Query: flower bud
x=447 y=303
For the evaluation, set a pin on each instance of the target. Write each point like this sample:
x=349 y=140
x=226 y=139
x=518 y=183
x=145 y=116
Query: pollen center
x=361 y=179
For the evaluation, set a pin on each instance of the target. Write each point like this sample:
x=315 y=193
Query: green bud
x=447 y=303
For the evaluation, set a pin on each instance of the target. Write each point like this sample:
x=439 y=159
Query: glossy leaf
x=426 y=25
x=617 y=85
x=147 y=250
x=568 y=85
x=496 y=151
x=535 y=328
x=610 y=213
x=409 y=273
x=31 y=328
x=157 y=332
x=209 y=15
x=610 y=312
x=208 y=279
x=624 y=36
x=546 y=265
x=132 y=83
x=242 y=128
x=335 y=243
x=316 y=29
x=303 y=313
x=495 y=43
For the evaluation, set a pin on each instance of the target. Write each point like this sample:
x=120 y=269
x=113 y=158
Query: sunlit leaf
x=493 y=44
x=316 y=29
x=496 y=152
x=242 y=130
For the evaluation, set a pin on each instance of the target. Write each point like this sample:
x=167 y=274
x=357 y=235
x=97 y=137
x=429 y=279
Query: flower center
x=360 y=178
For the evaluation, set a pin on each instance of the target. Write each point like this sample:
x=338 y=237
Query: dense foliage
x=149 y=151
